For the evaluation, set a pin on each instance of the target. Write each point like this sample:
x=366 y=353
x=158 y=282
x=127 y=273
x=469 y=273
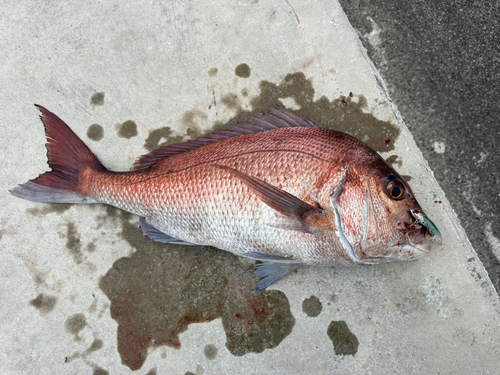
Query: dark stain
x=191 y=118
x=90 y=248
x=189 y=373
x=152 y=371
x=44 y=303
x=75 y=324
x=344 y=341
x=161 y=137
x=95 y=132
x=312 y=306
x=160 y=289
x=347 y=114
x=210 y=351
x=231 y=101
x=99 y=370
x=242 y=70
x=97 y=98
x=73 y=243
x=212 y=72
x=128 y=129
x=406 y=177
x=244 y=92
x=394 y=159
x=48 y=209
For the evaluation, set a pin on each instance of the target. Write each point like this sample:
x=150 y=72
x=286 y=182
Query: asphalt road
x=441 y=63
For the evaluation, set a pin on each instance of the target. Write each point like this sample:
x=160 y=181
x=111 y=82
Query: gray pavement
x=441 y=63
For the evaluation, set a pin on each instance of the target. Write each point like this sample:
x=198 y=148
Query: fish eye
x=396 y=190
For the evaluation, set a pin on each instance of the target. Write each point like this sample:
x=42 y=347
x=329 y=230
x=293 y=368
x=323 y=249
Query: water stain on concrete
x=344 y=341
x=73 y=243
x=75 y=324
x=231 y=101
x=95 y=132
x=212 y=72
x=44 y=303
x=394 y=159
x=160 y=289
x=242 y=70
x=48 y=208
x=127 y=129
x=312 y=306
x=153 y=371
x=161 y=137
x=210 y=351
x=97 y=98
x=346 y=114
x=96 y=370
x=192 y=119
x=349 y=114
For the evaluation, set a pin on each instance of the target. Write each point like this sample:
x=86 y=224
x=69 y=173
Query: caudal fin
x=67 y=155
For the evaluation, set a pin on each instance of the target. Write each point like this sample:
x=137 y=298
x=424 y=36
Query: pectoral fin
x=159 y=236
x=279 y=200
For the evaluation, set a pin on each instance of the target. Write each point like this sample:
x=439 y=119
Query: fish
x=277 y=189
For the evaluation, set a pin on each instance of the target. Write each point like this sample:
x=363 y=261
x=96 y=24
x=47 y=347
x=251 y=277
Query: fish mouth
x=422 y=235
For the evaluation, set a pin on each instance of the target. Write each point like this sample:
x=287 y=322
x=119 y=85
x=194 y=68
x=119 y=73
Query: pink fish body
x=277 y=189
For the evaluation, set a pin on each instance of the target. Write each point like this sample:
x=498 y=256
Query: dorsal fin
x=274 y=119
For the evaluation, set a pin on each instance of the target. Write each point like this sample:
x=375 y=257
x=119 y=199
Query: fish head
x=380 y=217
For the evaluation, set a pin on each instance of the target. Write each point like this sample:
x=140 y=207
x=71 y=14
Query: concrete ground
x=84 y=291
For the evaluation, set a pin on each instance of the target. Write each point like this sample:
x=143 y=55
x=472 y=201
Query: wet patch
x=73 y=243
x=231 y=101
x=75 y=324
x=191 y=120
x=152 y=371
x=349 y=114
x=406 y=177
x=242 y=70
x=44 y=303
x=210 y=351
x=160 y=289
x=161 y=137
x=127 y=130
x=99 y=370
x=49 y=208
x=97 y=98
x=344 y=341
x=95 y=132
x=212 y=72
x=312 y=306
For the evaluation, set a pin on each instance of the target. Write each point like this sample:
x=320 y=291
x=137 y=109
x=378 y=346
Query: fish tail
x=67 y=157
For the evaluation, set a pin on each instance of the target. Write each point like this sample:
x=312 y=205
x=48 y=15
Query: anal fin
x=268 y=273
x=159 y=236
x=272 y=269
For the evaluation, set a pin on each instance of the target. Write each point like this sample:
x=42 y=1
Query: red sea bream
x=277 y=189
